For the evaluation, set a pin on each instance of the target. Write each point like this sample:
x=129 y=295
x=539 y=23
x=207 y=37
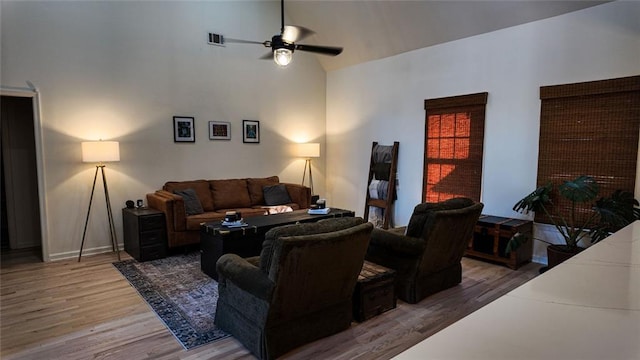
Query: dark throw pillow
x=276 y=195
x=192 y=205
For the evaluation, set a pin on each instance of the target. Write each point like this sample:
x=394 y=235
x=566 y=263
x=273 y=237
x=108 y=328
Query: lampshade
x=308 y=150
x=100 y=151
x=282 y=56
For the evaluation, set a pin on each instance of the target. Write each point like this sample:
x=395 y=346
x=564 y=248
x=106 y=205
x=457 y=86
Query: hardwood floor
x=87 y=310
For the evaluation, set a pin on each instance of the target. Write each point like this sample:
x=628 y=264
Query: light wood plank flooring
x=87 y=310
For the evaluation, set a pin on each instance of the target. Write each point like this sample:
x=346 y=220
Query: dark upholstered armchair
x=427 y=259
x=298 y=290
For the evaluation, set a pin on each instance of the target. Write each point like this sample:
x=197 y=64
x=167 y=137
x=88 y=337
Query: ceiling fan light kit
x=283 y=45
x=282 y=56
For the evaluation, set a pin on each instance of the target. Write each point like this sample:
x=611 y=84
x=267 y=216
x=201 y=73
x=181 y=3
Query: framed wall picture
x=183 y=129
x=250 y=131
x=219 y=130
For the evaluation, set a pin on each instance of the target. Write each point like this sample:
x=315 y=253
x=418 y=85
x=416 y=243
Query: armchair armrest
x=299 y=194
x=400 y=244
x=246 y=276
x=172 y=206
x=254 y=260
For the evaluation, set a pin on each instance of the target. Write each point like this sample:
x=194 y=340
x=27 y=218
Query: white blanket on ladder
x=378 y=189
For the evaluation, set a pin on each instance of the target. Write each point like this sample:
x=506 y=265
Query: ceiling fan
x=284 y=44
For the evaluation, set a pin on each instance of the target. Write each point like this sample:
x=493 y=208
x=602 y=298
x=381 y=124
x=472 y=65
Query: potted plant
x=605 y=216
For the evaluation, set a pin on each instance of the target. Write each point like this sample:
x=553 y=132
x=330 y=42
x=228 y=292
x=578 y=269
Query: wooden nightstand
x=145 y=233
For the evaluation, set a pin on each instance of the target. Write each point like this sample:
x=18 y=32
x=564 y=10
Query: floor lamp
x=308 y=151
x=100 y=152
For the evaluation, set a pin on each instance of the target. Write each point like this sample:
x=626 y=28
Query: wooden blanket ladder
x=387 y=171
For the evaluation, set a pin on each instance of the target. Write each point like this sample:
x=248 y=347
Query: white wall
x=384 y=100
x=122 y=70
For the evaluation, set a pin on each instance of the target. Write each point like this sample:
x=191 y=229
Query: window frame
x=573 y=116
x=474 y=104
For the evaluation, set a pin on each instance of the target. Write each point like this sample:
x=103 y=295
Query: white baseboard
x=85 y=252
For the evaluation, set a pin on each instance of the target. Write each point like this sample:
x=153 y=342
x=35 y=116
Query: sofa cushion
x=277 y=209
x=255 y=186
x=245 y=212
x=194 y=221
x=276 y=195
x=192 y=205
x=201 y=188
x=264 y=208
x=230 y=193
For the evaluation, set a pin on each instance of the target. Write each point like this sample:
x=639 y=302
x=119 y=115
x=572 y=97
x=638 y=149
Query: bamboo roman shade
x=454 y=136
x=591 y=129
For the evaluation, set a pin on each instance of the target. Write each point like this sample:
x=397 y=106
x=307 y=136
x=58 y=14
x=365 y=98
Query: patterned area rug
x=182 y=296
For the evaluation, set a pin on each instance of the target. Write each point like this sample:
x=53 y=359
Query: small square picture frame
x=219 y=130
x=183 y=129
x=251 y=131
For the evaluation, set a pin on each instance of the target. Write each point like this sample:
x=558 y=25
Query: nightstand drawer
x=153 y=252
x=155 y=237
x=151 y=222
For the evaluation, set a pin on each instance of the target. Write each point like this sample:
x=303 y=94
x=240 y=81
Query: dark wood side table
x=145 y=233
x=490 y=238
x=374 y=292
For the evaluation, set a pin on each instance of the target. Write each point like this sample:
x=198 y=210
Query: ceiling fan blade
x=292 y=33
x=324 y=50
x=229 y=40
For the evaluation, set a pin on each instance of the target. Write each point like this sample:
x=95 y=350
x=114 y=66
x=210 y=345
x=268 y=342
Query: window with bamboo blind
x=454 y=136
x=589 y=128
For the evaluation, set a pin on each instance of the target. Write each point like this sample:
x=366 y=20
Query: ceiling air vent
x=216 y=39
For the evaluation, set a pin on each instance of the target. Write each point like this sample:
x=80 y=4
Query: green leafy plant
x=607 y=214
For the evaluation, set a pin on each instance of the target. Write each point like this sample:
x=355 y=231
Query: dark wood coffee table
x=216 y=240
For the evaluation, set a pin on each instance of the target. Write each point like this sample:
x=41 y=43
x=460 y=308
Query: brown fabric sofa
x=216 y=198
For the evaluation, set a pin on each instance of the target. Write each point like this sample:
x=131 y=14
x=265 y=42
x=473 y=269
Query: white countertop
x=585 y=308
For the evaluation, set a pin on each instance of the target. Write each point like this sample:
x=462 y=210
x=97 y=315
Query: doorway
x=21 y=218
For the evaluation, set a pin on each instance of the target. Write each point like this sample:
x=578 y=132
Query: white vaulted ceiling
x=372 y=29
